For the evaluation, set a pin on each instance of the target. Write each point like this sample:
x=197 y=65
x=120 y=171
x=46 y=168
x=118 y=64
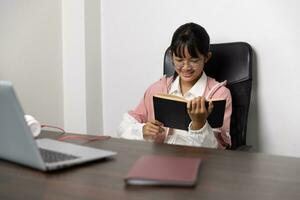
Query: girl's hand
x=198 y=112
x=154 y=129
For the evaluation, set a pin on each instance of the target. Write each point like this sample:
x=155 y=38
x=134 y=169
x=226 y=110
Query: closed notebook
x=171 y=110
x=164 y=170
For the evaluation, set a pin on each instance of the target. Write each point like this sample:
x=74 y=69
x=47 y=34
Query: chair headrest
x=230 y=61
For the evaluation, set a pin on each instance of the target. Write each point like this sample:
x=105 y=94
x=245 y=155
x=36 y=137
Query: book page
x=170 y=97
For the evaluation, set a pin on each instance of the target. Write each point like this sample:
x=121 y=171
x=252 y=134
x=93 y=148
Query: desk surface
x=222 y=175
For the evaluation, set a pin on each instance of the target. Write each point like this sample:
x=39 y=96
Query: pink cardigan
x=144 y=111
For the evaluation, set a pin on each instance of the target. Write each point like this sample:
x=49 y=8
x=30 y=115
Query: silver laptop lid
x=16 y=140
x=18 y=145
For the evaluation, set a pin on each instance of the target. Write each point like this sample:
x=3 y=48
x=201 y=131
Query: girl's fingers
x=202 y=104
x=189 y=106
x=198 y=104
x=156 y=128
x=153 y=129
x=193 y=106
x=155 y=122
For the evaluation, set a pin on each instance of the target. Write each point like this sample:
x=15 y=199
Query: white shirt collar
x=197 y=89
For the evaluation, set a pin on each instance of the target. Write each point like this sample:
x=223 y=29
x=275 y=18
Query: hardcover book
x=164 y=170
x=171 y=110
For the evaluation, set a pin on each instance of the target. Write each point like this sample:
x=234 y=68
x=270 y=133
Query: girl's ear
x=207 y=58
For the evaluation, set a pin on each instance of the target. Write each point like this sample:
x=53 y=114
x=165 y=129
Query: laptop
x=18 y=145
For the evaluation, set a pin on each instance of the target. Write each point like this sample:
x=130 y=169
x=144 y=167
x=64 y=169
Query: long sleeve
x=203 y=137
x=130 y=128
x=213 y=138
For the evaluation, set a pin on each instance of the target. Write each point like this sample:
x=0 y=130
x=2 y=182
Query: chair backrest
x=231 y=62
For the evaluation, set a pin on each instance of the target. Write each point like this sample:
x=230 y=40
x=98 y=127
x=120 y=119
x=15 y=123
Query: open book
x=171 y=110
x=164 y=170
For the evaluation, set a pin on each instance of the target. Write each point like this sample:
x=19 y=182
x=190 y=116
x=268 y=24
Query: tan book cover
x=164 y=170
x=171 y=110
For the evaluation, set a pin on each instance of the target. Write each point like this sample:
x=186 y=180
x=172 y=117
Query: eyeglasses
x=193 y=63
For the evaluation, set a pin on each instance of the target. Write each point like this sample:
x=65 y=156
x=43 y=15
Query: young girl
x=190 y=51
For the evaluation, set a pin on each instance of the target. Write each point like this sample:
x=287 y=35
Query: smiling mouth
x=187 y=74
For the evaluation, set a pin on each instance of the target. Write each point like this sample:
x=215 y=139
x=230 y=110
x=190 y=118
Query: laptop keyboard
x=53 y=156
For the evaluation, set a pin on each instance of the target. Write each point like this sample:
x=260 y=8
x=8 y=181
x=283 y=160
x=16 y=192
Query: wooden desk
x=222 y=175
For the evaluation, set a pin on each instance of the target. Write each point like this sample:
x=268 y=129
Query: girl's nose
x=186 y=65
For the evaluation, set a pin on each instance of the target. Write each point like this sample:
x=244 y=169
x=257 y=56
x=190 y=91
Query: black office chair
x=231 y=62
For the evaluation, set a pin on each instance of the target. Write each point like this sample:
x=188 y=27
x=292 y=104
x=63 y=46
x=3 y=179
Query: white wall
x=30 y=55
x=93 y=67
x=74 y=65
x=81 y=66
x=135 y=34
x=50 y=50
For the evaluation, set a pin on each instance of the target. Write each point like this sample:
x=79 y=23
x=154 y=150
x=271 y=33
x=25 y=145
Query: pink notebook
x=164 y=170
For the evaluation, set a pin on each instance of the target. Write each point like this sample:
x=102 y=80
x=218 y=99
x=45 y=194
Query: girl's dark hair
x=192 y=36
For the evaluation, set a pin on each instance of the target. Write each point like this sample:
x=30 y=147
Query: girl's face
x=189 y=69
